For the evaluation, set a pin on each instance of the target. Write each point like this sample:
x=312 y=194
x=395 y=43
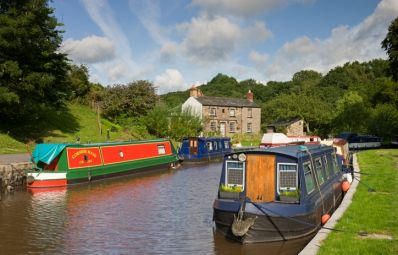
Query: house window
x=213 y=111
x=249 y=128
x=287 y=177
x=213 y=126
x=161 y=150
x=318 y=169
x=309 y=180
x=249 y=113
x=232 y=128
x=223 y=110
x=235 y=173
x=232 y=112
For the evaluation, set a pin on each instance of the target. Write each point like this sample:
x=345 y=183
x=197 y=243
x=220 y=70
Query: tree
x=32 y=70
x=390 y=45
x=384 y=122
x=133 y=100
x=352 y=114
x=78 y=78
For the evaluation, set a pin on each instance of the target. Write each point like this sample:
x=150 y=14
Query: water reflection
x=160 y=213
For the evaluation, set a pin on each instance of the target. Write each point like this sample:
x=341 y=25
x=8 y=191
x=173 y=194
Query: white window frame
x=232 y=112
x=161 y=149
x=249 y=130
x=213 y=126
x=249 y=112
x=234 y=125
x=209 y=146
x=243 y=173
x=278 y=175
x=316 y=170
x=213 y=111
x=312 y=176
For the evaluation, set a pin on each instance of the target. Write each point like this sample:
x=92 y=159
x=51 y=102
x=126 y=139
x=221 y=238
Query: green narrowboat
x=59 y=165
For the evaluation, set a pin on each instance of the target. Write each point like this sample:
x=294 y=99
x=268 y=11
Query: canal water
x=159 y=213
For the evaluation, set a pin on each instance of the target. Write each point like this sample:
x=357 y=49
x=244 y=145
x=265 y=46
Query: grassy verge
x=374 y=213
x=60 y=127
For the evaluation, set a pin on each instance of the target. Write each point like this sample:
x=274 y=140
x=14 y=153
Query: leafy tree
x=157 y=121
x=390 y=45
x=352 y=114
x=385 y=121
x=78 y=78
x=32 y=70
x=133 y=100
x=183 y=124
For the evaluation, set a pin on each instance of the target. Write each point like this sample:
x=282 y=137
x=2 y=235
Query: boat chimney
x=249 y=96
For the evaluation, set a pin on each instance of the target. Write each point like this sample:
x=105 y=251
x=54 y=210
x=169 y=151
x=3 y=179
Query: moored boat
x=59 y=165
x=204 y=149
x=280 y=139
x=277 y=193
x=358 y=142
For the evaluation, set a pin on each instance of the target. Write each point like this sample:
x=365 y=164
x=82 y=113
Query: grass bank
x=372 y=217
x=59 y=127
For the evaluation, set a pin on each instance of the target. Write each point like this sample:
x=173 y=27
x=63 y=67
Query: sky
x=179 y=43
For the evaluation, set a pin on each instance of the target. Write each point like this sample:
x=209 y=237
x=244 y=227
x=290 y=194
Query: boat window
x=226 y=144
x=287 y=177
x=215 y=146
x=327 y=169
x=161 y=149
x=235 y=173
x=309 y=180
x=319 y=172
x=335 y=165
x=220 y=145
x=209 y=146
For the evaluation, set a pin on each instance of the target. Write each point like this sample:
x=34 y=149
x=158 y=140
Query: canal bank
x=314 y=245
x=12 y=171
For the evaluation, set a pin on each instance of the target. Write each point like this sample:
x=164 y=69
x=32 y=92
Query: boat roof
x=294 y=151
x=209 y=138
x=47 y=152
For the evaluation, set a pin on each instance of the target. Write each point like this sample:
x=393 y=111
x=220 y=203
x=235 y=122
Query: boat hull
x=267 y=228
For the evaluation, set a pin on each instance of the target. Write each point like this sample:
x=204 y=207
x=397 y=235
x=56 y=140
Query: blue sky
x=178 y=43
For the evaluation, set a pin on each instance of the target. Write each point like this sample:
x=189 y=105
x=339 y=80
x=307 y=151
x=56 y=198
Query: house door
x=193 y=146
x=260 y=178
x=222 y=128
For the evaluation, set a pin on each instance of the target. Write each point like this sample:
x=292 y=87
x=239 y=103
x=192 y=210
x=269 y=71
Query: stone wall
x=13 y=175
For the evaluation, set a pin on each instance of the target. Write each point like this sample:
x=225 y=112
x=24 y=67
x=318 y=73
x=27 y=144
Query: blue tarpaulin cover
x=46 y=153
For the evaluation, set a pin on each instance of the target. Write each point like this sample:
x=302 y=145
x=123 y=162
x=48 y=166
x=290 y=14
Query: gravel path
x=14 y=158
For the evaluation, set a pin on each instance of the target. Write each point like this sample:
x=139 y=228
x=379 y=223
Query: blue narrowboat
x=278 y=193
x=358 y=142
x=204 y=149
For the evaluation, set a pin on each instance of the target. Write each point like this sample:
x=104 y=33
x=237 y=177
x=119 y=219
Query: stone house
x=228 y=116
x=294 y=127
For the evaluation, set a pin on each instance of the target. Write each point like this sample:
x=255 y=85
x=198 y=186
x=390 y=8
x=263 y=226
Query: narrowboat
x=204 y=149
x=280 y=139
x=58 y=165
x=358 y=142
x=278 y=193
x=343 y=153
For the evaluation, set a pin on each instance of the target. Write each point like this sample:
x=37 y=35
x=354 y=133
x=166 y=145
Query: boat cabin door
x=193 y=145
x=260 y=177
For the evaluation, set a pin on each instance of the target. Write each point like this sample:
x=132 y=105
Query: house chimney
x=193 y=92
x=249 y=96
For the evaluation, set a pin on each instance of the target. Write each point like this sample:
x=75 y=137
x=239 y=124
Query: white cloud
x=123 y=68
x=243 y=8
x=209 y=39
x=258 y=59
x=170 y=80
x=358 y=43
x=91 y=49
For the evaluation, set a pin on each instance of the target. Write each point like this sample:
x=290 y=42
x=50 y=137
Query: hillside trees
x=390 y=45
x=135 y=99
x=32 y=70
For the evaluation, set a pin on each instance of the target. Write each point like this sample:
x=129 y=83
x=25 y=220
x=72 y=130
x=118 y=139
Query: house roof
x=224 y=101
x=282 y=123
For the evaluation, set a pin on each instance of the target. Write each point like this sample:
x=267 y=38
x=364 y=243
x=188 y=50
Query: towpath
x=14 y=158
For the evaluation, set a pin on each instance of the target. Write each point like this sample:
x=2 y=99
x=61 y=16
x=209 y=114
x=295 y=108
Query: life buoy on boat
x=30 y=179
x=345 y=186
x=325 y=218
